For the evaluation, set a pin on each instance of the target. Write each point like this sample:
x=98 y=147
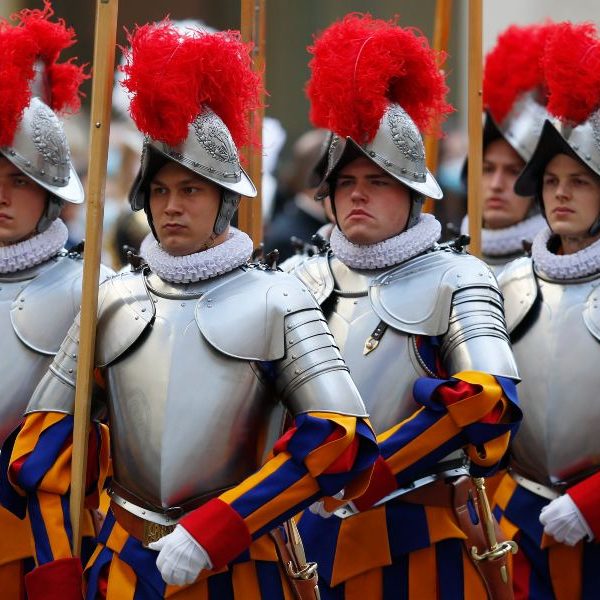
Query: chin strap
x=51 y=213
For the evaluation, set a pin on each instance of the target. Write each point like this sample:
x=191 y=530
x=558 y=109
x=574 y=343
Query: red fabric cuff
x=586 y=496
x=453 y=392
x=57 y=580
x=382 y=483
x=220 y=530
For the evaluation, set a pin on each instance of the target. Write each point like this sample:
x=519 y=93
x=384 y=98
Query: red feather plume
x=172 y=75
x=34 y=38
x=572 y=69
x=514 y=67
x=361 y=64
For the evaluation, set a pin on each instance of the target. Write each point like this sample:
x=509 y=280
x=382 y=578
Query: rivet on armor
x=371 y=153
x=285 y=293
x=288 y=309
x=137 y=317
x=588 y=157
x=70 y=370
x=294 y=357
x=298 y=371
x=74 y=355
x=183 y=304
x=143 y=310
x=22 y=299
x=575 y=146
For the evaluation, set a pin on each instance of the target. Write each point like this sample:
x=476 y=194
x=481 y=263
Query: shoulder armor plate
x=45 y=309
x=244 y=317
x=416 y=296
x=519 y=288
x=315 y=273
x=124 y=311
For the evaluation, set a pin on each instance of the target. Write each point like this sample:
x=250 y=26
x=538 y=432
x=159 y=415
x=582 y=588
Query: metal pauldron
x=312 y=376
x=477 y=339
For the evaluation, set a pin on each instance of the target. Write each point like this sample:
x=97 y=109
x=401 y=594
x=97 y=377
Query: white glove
x=564 y=522
x=318 y=507
x=181 y=557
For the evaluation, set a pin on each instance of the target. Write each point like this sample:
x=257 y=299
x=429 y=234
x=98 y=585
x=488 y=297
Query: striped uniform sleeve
x=37 y=478
x=471 y=410
x=321 y=454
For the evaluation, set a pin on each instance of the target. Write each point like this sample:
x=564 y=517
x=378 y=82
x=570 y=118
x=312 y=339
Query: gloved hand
x=181 y=557
x=318 y=507
x=564 y=522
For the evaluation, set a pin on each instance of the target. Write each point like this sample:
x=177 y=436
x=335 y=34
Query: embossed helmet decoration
x=33 y=88
x=375 y=85
x=514 y=93
x=571 y=64
x=191 y=94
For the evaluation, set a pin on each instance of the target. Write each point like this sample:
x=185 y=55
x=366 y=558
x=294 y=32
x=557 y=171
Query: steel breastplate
x=558 y=360
x=30 y=329
x=385 y=376
x=176 y=438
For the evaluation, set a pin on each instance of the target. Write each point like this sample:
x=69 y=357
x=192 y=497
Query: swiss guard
x=421 y=327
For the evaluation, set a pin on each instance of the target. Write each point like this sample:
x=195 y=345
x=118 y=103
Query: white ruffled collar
x=508 y=240
x=392 y=251
x=34 y=251
x=232 y=253
x=567 y=266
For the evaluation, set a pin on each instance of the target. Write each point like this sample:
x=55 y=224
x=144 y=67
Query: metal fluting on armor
x=477 y=339
x=201 y=330
x=557 y=353
x=310 y=353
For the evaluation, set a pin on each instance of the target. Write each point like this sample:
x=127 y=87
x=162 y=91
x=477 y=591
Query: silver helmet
x=397 y=148
x=40 y=149
x=200 y=140
x=574 y=127
x=33 y=138
x=375 y=85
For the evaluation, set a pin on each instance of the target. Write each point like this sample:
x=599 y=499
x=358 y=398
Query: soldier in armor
x=550 y=499
x=193 y=351
x=40 y=284
x=514 y=100
x=420 y=326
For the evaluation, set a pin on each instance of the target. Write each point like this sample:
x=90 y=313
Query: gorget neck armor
x=392 y=251
x=566 y=267
x=225 y=257
x=35 y=250
x=507 y=241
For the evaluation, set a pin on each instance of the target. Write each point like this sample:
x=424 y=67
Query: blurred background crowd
x=290 y=147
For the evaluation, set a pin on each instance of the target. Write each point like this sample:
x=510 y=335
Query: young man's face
x=184 y=207
x=501 y=167
x=571 y=195
x=371 y=206
x=22 y=203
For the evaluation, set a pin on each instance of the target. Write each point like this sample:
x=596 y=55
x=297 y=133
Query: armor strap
x=533 y=486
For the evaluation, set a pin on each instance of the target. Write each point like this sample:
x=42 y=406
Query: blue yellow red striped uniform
x=409 y=551
x=319 y=455
x=544 y=569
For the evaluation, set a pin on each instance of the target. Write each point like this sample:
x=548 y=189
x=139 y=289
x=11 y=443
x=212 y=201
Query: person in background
x=514 y=99
x=549 y=502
